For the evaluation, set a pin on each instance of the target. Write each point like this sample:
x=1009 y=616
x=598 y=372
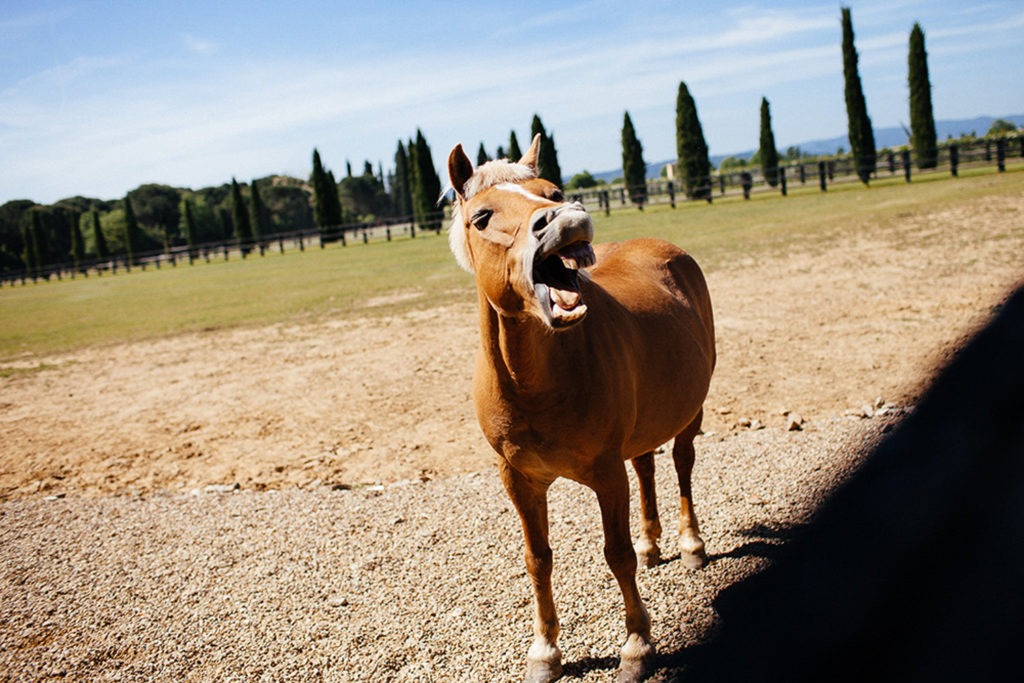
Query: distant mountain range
x=884 y=137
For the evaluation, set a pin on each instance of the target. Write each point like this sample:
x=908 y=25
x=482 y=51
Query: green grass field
x=382 y=278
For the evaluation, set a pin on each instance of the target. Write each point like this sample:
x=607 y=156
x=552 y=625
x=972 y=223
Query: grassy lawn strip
x=383 y=278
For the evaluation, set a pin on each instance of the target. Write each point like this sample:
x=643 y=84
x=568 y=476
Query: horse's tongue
x=566 y=299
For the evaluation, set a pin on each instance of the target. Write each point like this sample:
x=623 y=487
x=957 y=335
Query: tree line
x=154 y=218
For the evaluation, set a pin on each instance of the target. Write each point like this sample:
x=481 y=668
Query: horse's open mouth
x=556 y=283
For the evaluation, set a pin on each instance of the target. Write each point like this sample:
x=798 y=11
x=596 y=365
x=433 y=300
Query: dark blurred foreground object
x=914 y=569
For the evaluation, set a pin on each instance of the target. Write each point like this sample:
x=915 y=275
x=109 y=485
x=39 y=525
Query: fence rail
x=823 y=173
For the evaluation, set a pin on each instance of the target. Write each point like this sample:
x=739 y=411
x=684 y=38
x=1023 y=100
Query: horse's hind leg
x=647 y=550
x=691 y=546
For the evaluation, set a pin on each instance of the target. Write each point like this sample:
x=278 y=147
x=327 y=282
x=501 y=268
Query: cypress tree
x=335 y=214
x=77 y=244
x=401 y=197
x=634 y=170
x=131 y=231
x=500 y=153
x=190 y=227
x=240 y=217
x=547 y=159
x=30 y=227
x=768 y=153
x=514 y=153
x=318 y=180
x=481 y=156
x=102 y=251
x=862 y=138
x=694 y=163
x=257 y=215
x=922 y=119
x=426 y=187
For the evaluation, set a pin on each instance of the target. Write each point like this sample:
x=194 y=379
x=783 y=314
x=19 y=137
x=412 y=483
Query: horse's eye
x=557 y=196
x=480 y=218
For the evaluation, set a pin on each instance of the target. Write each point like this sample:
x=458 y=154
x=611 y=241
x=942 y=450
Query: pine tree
x=102 y=251
x=77 y=244
x=634 y=170
x=500 y=153
x=131 y=231
x=767 y=151
x=401 y=197
x=190 y=227
x=257 y=215
x=514 y=153
x=862 y=137
x=694 y=163
x=426 y=186
x=240 y=217
x=922 y=118
x=547 y=158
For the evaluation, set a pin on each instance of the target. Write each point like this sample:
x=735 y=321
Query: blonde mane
x=487 y=175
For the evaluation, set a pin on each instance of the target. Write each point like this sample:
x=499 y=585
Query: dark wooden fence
x=820 y=173
x=171 y=257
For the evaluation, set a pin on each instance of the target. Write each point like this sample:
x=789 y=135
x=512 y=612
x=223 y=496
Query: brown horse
x=587 y=358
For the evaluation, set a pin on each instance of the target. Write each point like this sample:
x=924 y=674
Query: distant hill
x=884 y=137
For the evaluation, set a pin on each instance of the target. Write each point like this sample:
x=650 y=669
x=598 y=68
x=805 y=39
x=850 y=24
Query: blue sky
x=100 y=97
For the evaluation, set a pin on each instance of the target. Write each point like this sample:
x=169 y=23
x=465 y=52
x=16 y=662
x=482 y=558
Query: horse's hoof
x=648 y=557
x=543 y=662
x=543 y=672
x=637 y=656
x=693 y=556
x=631 y=671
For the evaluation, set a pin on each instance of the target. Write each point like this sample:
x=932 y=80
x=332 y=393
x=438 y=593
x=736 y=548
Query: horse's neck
x=522 y=353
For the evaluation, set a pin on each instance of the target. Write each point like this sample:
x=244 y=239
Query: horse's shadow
x=766 y=542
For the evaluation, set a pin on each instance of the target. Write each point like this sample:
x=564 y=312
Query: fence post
x=954 y=159
x=906 y=164
x=672 y=192
x=1001 y=155
x=746 y=182
x=721 y=184
x=822 y=181
x=803 y=175
x=892 y=163
x=607 y=203
x=782 y=179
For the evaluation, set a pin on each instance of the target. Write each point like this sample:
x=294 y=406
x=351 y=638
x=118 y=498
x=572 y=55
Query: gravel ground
x=420 y=581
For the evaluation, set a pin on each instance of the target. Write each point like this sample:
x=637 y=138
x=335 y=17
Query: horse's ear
x=530 y=158
x=460 y=170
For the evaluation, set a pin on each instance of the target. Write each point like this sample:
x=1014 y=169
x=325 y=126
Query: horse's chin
x=560 y=309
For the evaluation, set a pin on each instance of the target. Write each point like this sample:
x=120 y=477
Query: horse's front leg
x=544 y=659
x=612 y=488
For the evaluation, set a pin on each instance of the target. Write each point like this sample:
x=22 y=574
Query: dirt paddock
x=315 y=502
x=375 y=401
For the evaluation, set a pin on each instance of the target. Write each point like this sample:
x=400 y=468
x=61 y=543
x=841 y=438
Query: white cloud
x=197 y=45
